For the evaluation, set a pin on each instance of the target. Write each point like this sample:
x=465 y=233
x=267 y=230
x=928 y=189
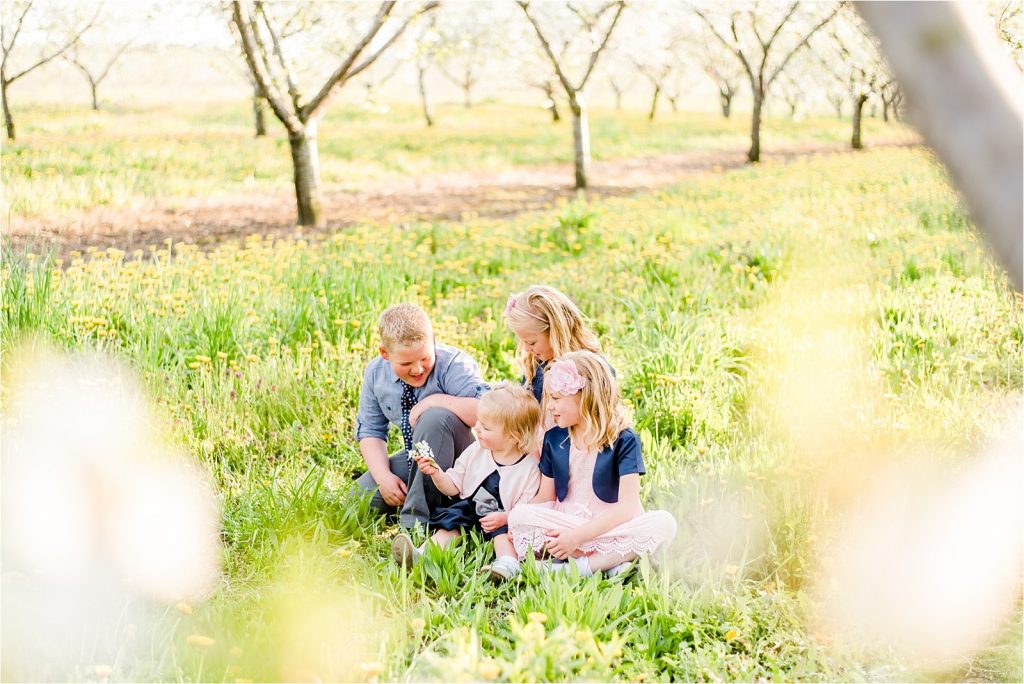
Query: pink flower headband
x=511 y=304
x=564 y=378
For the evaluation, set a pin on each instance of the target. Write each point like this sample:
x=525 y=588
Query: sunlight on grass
x=784 y=334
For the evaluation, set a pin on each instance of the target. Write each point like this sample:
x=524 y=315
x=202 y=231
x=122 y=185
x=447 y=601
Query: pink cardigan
x=519 y=483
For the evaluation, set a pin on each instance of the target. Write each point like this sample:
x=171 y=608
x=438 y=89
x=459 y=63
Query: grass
x=72 y=158
x=702 y=294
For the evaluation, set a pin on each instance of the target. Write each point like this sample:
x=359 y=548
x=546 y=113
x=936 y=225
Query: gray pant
x=448 y=436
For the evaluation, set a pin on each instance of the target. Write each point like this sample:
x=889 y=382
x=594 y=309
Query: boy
x=430 y=391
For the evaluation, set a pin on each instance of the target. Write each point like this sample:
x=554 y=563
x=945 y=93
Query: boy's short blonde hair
x=404 y=325
x=514 y=411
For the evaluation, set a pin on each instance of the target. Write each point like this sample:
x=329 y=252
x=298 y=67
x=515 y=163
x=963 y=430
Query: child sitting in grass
x=588 y=509
x=492 y=476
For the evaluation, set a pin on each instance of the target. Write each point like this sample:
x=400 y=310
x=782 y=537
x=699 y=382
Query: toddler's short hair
x=515 y=411
x=404 y=325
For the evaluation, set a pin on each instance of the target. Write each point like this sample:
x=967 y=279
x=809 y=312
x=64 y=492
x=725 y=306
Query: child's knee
x=433 y=419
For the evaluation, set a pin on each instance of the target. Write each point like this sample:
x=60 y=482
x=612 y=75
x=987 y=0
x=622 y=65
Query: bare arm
x=442 y=480
x=546 y=491
x=463 y=407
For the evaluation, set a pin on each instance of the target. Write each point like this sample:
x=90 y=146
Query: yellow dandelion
x=200 y=641
x=221 y=355
x=371 y=670
x=538 y=617
x=183 y=608
x=489 y=669
x=731 y=635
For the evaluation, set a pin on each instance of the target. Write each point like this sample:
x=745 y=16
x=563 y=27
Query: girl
x=588 y=507
x=547 y=325
x=491 y=476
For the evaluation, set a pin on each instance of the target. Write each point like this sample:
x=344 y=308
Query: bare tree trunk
x=8 y=119
x=467 y=96
x=726 y=101
x=549 y=90
x=959 y=90
x=95 y=99
x=858 y=109
x=424 y=98
x=306 y=165
x=581 y=139
x=654 y=102
x=674 y=102
x=618 y=95
x=258 y=111
x=885 y=109
x=755 y=127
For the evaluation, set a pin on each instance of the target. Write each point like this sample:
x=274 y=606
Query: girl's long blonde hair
x=603 y=416
x=543 y=309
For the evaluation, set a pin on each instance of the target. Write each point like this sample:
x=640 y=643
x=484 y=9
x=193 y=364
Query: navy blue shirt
x=623 y=457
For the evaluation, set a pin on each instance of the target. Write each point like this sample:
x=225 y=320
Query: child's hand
x=427 y=465
x=563 y=543
x=493 y=521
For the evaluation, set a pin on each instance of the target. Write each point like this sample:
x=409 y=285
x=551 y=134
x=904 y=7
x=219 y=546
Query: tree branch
x=243 y=23
x=342 y=72
x=286 y=66
x=77 y=36
x=734 y=49
x=802 y=44
x=569 y=89
x=597 y=53
x=401 y=29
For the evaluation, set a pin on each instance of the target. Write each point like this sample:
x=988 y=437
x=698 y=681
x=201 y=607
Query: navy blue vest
x=621 y=458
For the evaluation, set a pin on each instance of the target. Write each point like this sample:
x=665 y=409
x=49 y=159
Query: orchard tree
x=963 y=95
x=268 y=55
x=472 y=37
x=764 y=38
x=723 y=70
x=586 y=30
x=619 y=72
x=51 y=29
x=659 y=43
x=856 y=65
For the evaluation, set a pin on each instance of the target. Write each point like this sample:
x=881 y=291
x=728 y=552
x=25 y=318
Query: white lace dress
x=644 y=533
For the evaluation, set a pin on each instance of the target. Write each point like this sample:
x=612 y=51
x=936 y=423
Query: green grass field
x=701 y=293
x=68 y=158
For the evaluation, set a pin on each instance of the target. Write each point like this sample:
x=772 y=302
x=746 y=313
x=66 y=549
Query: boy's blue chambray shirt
x=380 y=400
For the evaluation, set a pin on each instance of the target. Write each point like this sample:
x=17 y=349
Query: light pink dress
x=644 y=533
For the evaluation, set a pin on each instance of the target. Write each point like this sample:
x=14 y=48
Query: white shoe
x=404 y=551
x=620 y=569
x=552 y=567
x=502 y=569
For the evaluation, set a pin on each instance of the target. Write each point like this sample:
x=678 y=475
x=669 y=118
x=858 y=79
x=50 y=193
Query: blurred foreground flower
x=929 y=562
x=97 y=511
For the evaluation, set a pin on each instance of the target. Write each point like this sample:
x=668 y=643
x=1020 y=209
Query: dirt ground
x=209 y=221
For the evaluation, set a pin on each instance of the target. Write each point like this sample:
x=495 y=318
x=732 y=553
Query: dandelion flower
x=183 y=608
x=200 y=641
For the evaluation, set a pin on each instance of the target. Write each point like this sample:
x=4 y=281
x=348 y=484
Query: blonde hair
x=514 y=411
x=404 y=325
x=602 y=414
x=540 y=309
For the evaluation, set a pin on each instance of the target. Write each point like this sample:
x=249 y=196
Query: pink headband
x=511 y=304
x=564 y=378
